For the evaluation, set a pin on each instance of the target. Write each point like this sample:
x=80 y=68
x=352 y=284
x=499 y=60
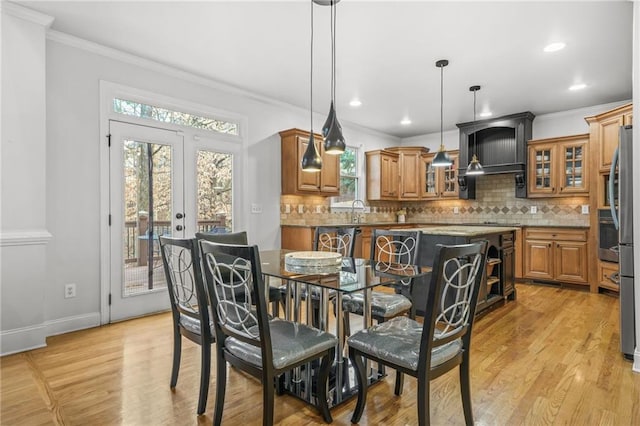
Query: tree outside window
x=348 y=178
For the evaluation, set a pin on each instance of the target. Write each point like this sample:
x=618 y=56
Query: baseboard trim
x=74 y=323
x=636 y=360
x=22 y=339
x=34 y=337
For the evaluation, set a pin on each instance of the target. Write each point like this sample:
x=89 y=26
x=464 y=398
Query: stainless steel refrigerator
x=623 y=219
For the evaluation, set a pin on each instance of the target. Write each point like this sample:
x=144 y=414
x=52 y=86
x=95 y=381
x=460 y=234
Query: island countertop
x=462 y=230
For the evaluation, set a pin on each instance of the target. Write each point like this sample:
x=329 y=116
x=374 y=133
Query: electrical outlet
x=287 y=208
x=456 y=210
x=534 y=209
x=585 y=209
x=318 y=209
x=300 y=209
x=69 y=291
x=256 y=208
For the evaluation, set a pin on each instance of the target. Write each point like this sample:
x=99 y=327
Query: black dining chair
x=189 y=307
x=240 y=238
x=251 y=341
x=430 y=349
x=392 y=248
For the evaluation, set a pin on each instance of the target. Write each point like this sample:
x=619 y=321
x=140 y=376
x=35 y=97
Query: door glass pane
x=147 y=213
x=214 y=174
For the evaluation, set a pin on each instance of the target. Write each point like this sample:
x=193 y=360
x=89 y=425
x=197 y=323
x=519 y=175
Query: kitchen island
x=498 y=283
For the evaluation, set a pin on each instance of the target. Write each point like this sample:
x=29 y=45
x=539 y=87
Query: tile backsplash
x=495 y=202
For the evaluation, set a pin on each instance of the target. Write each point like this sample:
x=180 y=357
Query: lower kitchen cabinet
x=607 y=273
x=556 y=254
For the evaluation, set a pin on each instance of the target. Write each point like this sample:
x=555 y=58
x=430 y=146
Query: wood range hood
x=501 y=147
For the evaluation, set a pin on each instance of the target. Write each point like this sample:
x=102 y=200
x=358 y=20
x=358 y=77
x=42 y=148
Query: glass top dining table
x=350 y=276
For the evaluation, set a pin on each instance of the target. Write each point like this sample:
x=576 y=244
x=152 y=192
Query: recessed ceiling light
x=554 y=47
x=486 y=114
x=579 y=86
x=355 y=103
x=405 y=121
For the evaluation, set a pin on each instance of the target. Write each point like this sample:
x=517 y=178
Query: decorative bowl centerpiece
x=313 y=262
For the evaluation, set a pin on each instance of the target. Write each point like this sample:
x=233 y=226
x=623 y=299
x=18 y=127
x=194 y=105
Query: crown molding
x=27 y=14
x=151 y=65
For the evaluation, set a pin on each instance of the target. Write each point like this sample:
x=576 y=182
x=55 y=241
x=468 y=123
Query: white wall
x=23 y=235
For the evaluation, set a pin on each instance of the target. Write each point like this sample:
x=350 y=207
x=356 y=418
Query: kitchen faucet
x=356 y=218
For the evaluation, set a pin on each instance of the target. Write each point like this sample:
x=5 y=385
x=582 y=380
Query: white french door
x=161 y=185
x=146 y=202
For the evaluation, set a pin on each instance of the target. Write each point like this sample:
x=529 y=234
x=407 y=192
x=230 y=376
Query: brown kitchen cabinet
x=439 y=182
x=295 y=181
x=556 y=254
x=383 y=175
x=559 y=166
x=605 y=271
x=605 y=129
x=409 y=170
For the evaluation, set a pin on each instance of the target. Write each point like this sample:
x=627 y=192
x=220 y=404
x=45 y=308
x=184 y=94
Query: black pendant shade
x=333 y=139
x=441 y=159
x=311 y=160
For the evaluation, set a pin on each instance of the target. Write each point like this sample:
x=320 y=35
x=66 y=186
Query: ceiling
x=386 y=52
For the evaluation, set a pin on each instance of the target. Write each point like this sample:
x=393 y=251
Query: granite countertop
x=462 y=230
x=426 y=225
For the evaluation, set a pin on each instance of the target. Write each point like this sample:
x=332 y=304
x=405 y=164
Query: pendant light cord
x=333 y=51
x=311 y=72
x=441 y=106
x=475 y=146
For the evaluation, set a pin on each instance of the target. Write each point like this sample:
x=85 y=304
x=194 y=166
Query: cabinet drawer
x=605 y=270
x=556 y=234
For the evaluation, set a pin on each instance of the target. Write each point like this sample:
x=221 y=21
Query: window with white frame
x=349 y=178
x=164 y=115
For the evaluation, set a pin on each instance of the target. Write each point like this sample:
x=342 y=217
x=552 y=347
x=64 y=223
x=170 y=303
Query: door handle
x=179 y=228
x=179 y=215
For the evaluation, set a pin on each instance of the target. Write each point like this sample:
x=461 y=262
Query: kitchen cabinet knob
x=179 y=228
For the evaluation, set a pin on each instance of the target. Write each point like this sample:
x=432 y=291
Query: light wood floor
x=551 y=357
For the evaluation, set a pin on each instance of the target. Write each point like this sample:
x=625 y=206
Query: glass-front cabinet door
x=574 y=168
x=430 y=175
x=541 y=170
x=450 y=178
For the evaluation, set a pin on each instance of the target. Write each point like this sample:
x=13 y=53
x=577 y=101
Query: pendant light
x=441 y=159
x=474 y=167
x=311 y=160
x=334 y=142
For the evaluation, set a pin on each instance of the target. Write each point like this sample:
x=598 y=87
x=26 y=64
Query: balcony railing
x=133 y=244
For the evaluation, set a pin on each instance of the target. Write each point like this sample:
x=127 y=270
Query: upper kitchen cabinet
x=558 y=166
x=605 y=130
x=383 y=175
x=501 y=146
x=294 y=142
x=410 y=170
x=439 y=182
